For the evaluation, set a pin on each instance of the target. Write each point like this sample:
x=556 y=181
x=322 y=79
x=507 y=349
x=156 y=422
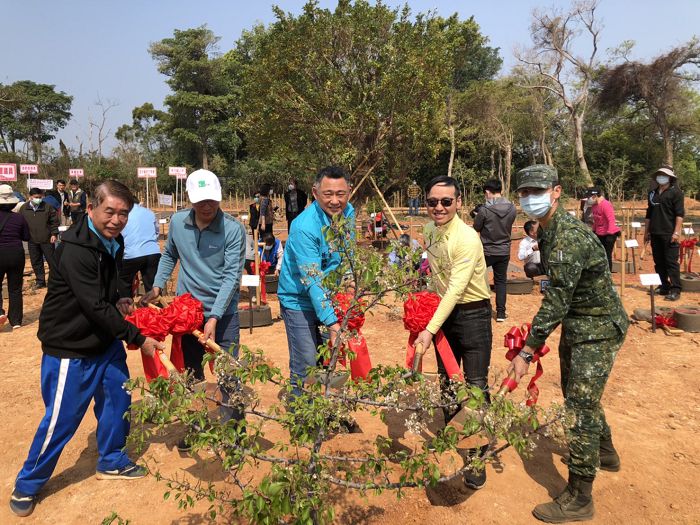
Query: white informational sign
x=8 y=172
x=42 y=184
x=250 y=280
x=28 y=169
x=688 y=231
x=63 y=228
x=631 y=243
x=146 y=173
x=636 y=224
x=162 y=221
x=176 y=171
x=572 y=213
x=244 y=216
x=165 y=200
x=650 y=279
x=378 y=229
x=76 y=173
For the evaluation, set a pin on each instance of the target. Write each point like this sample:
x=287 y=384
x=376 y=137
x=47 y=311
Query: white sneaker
x=16 y=327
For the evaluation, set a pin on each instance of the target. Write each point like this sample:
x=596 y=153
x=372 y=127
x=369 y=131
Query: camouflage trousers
x=585 y=368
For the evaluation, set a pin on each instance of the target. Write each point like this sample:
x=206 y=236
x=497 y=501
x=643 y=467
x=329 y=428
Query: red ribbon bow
x=264 y=267
x=360 y=365
x=662 y=320
x=183 y=315
x=514 y=341
x=687 y=247
x=418 y=310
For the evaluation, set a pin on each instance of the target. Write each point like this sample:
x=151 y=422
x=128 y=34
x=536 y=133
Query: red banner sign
x=8 y=172
x=147 y=173
x=76 y=173
x=28 y=169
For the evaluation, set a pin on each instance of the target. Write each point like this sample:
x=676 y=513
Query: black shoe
x=39 y=285
x=475 y=480
x=673 y=296
x=660 y=290
x=22 y=505
x=129 y=471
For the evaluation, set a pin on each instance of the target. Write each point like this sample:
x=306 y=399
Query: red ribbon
x=183 y=315
x=687 y=247
x=514 y=341
x=662 y=320
x=418 y=310
x=264 y=267
x=360 y=365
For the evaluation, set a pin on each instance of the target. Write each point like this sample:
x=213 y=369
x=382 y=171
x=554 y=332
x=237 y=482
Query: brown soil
x=652 y=404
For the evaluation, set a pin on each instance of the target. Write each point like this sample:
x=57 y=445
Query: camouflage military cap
x=538 y=176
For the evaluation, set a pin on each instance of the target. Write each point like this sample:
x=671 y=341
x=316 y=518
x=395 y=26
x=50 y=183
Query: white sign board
x=8 y=172
x=250 y=280
x=76 y=173
x=162 y=221
x=28 y=169
x=631 y=243
x=650 y=279
x=42 y=184
x=244 y=216
x=165 y=200
x=146 y=173
x=176 y=171
x=636 y=224
x=688 y=231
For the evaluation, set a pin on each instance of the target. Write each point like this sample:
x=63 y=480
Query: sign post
x=76 y=173
x=651 y=280
x=42 y=184
x=8 y=172
x=147 y=173
x=179 y=173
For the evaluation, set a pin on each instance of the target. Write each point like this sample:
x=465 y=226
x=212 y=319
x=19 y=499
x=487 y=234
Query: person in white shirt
x=529 y=251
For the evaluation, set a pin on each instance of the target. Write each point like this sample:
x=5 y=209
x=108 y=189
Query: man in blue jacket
x=304 y=302
x=210 y=246
x=81 y=328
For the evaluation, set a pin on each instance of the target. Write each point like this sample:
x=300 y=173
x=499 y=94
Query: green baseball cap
x=538 y=176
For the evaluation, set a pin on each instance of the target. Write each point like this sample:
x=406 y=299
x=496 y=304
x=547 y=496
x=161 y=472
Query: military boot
x=574 y=504
x=609 y=460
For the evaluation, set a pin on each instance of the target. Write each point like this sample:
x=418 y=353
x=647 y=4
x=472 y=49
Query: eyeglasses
x=445 y=201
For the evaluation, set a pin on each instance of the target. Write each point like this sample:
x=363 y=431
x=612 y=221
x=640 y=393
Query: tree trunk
x=668 y=146
x=451 y=131
x=205 y=158
x=508 y=151
x=578 y=148
x=493 y=162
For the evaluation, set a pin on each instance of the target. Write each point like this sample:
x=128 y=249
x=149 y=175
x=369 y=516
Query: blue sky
x=98 y=49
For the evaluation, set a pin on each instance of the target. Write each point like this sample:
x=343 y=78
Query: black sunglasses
x=445 y=201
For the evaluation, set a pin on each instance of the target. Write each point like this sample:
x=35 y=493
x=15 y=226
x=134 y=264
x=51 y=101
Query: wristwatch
x=527 y=357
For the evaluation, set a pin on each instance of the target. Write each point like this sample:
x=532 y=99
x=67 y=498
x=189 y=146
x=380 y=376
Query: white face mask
x=663 y=179
x=291 y=187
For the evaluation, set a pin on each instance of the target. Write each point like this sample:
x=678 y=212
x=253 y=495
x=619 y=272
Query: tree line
x=401 y=96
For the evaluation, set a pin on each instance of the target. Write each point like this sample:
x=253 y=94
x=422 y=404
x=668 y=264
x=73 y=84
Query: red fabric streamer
x=687 y=248
x=514 y=341
x=183 y=315
x=418 y=310
x=264 y=267
x=361 y=364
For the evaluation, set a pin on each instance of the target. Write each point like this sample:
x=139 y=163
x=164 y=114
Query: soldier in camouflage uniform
x=582 y=299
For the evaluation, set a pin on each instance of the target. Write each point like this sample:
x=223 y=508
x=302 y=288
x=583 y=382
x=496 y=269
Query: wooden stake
x=388 y=208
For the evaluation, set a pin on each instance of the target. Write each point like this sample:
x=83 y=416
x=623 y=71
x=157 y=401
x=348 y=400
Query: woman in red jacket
x=603 y=221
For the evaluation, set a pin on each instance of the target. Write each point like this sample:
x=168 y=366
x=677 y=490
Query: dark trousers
x=666 y=253
x=290 y=218
x=75 y=216
x=37 y=253
x=12 y=265
x=469 y=334
x=146 y=265
x=499 y=264
x=608 y=242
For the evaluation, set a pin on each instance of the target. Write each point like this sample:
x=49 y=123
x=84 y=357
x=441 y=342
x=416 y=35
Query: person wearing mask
x=603 y=221
x=254 y=212
x=529 y=251
x=582 y=299
x=494 y=222
x=141 y=250
x=77 y=201
x=210 y=247
x=272 y=252
x=43 y=231
x=458 y=276
x=662 y=227
x=13 y=230
x=81 y=329
x=294 y=202
x=267 y=212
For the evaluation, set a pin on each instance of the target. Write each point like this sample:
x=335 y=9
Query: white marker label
x=650 y=279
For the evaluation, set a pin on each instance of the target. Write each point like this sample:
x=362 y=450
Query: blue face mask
x=536 y=206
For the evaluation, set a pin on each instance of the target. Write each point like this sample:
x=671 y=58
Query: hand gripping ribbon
x=360 y=365
x=514 y=342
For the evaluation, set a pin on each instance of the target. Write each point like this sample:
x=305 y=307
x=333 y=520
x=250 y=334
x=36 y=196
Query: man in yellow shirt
x=458 y=268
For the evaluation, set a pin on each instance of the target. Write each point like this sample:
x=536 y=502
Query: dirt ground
x=652 y=403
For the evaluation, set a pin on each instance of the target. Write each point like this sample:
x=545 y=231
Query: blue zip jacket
x=140 y=233
x=307 y=248
x=211 y=261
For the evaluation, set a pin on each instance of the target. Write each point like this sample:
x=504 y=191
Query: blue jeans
x=413 y=206
x=303 y=338
x=227 y=337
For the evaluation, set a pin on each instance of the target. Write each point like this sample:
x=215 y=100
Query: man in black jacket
x=494 y=222
x=294 y=202
x=43 y=224
x=81 y=328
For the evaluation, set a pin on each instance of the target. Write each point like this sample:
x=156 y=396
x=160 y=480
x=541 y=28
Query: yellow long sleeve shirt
x=457 y=266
